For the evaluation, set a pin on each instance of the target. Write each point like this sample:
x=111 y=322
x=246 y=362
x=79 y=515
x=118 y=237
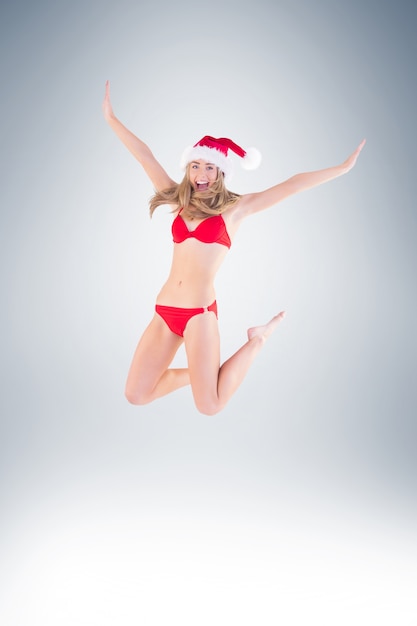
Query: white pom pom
x=252 y=159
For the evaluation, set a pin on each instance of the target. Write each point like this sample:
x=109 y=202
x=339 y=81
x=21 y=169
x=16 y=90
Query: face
x=202 y=174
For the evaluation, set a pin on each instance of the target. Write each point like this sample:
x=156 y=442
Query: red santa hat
x=216 y=151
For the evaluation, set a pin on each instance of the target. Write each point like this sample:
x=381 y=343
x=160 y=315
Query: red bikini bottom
x=177 y=318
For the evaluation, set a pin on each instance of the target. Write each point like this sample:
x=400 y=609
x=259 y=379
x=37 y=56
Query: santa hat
x=216 y=151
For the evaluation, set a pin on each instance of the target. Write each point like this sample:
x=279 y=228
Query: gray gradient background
x=296 y=504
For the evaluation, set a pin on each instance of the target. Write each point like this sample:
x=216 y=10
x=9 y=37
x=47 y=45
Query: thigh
x=153 y=355
x=202 y=345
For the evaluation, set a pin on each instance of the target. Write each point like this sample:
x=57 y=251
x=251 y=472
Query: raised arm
x=138 y=148
x=252 y=203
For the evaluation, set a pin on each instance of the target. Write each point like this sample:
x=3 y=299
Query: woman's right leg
x=149 y=377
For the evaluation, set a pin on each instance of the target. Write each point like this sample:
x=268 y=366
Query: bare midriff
x=190 y=283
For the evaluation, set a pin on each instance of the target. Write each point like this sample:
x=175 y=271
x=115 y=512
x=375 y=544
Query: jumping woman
x=207 y=217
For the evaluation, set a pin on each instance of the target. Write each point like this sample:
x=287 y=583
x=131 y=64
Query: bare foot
x=264 y=331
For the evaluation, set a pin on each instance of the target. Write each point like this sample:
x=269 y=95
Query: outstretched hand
x=351 y=160
x=107 y=107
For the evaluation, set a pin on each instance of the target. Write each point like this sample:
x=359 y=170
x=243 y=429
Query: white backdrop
x=296 y=504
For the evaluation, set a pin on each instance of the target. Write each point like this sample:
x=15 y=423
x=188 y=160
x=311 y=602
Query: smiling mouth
x=202 y=186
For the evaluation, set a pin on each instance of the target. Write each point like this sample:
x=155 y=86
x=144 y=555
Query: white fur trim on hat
x=216 y=150
x=211 y=155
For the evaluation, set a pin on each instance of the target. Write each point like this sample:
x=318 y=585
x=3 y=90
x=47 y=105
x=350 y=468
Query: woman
x=207 y=217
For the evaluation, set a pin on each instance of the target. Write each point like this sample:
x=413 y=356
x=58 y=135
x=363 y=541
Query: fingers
x=107 y=108
x=351 y=160
x=356 y=153
x=361 y=145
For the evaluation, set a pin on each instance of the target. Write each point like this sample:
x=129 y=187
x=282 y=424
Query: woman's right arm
x=138 y=148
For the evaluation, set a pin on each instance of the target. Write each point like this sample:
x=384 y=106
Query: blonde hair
x=196 y=204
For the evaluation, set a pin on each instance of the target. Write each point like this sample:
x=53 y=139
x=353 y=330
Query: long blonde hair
x=196 y=204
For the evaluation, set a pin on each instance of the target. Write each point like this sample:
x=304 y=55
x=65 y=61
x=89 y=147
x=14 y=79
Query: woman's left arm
x=254 y=202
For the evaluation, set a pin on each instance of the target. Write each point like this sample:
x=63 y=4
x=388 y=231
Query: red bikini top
x=211 y=230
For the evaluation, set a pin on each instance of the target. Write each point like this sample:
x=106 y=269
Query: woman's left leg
x=213 y=385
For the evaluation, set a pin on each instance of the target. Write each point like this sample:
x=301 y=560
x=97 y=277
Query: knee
x=136 y=396
x=208 y=406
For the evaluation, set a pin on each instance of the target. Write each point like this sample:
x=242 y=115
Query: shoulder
x=234 y=215
x=242 y=208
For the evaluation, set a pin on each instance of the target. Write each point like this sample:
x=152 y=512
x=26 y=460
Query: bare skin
x=191 y=284
x=263 y=332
